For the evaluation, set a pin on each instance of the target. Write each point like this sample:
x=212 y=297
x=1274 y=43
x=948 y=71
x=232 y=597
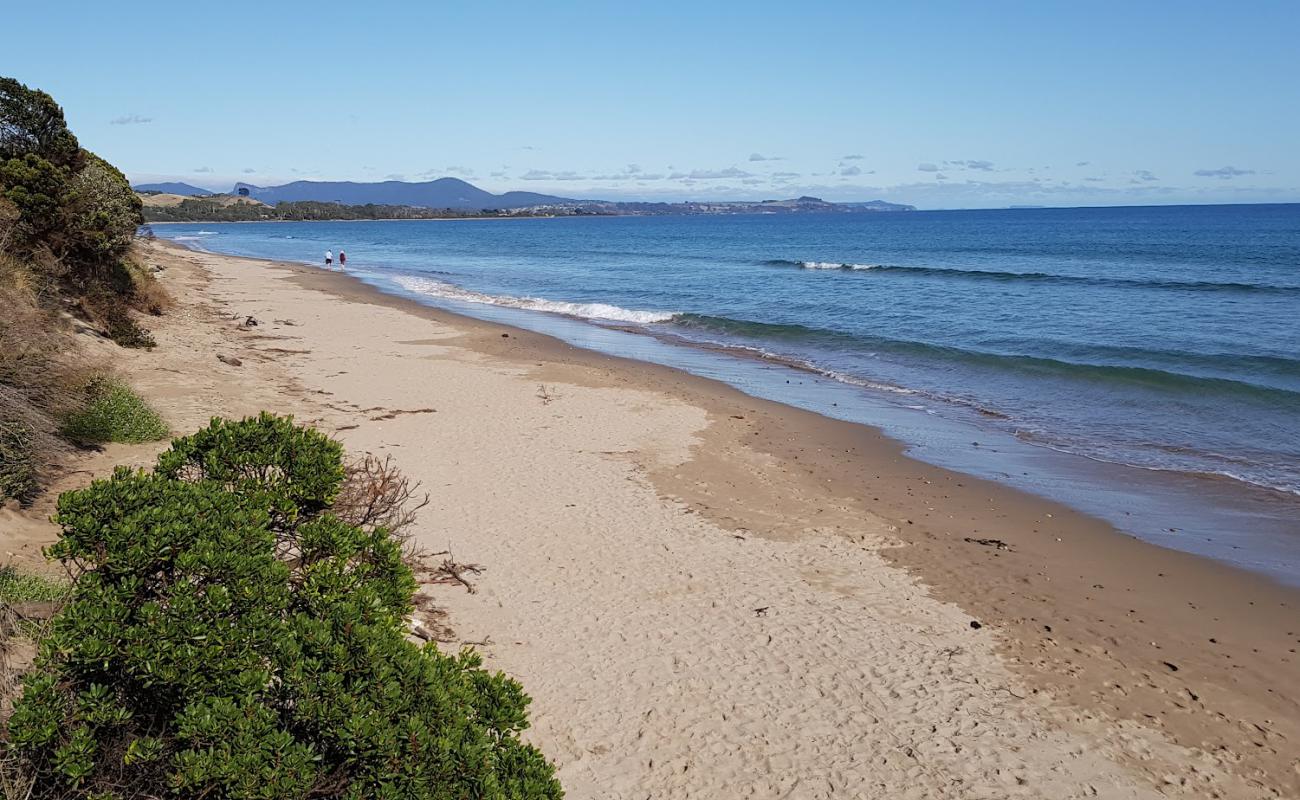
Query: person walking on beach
x=343 y=261
x=329 y=259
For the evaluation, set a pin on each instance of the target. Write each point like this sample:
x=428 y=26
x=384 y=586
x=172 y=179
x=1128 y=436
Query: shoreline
x=1192 y=506
x=378 y=219
x=1091 y=614
x=644 y=529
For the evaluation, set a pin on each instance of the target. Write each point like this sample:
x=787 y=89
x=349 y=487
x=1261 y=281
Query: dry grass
x=36 y=381
x=44 y=382
x=147 y=294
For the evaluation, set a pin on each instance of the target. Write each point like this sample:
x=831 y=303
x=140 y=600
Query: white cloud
x=130 y=119
x=712 y=174
x=927 y=167
x=1223 y=172
x=547 y=175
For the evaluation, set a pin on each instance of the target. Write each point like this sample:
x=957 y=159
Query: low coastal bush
x=229 y=637
x=114 y=413
x=25 y=587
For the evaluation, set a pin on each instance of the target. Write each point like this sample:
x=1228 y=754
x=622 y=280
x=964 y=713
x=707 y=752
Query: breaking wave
x=595 y=311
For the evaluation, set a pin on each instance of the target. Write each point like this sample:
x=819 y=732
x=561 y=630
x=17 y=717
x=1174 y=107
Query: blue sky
x=943 y=105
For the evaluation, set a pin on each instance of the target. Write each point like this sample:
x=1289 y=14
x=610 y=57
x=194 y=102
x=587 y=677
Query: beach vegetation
x=228 y=635
x=68 y=222
x=113 y=412
x=28 y=587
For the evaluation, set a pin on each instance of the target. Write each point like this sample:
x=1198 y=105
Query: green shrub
x=229 y=638
x=293 y=470
x=102 y=213
x=25 y=587
x=114 y=413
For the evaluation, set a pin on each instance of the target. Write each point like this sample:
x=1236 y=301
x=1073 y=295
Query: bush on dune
x=67 y=222
x=114 y=413
x=229 y=637
x=66 y=209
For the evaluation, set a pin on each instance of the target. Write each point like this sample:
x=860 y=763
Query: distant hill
x=173 y=188
x=881 y=205
x=797 y=205
x=170 y=200
x=441 y=193
x=404 y=200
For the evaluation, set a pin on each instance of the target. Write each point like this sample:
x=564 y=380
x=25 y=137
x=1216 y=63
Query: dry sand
x=709 y=595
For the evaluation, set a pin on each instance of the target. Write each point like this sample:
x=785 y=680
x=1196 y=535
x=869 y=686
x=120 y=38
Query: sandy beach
x=709 y=595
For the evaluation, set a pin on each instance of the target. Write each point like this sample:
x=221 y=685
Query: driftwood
x=449 y=571
x=998 y=543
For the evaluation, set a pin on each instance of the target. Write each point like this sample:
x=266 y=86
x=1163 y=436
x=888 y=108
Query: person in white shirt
x=329 y=258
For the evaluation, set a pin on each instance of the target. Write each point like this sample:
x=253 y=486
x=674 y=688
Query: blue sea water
x=1159 y=338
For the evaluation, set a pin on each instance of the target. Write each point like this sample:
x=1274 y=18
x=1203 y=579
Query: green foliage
x=114 y=413
x=295 y=471
x=31 y=122
x=102 y=215
x=69 y=203
x=67 y=221
x=216 y=646
x=197 y=209
x=37 y=189
x=25 y=587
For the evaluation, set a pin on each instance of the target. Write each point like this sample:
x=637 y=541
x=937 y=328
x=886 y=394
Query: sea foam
x=595 y=311
x=835 y=265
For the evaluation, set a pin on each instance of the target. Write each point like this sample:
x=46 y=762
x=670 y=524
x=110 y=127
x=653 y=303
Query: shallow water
x=1110 y=356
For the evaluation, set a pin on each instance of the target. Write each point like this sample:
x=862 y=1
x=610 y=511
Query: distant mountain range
x=442 y=193
x=173 y=188
x=453 y=193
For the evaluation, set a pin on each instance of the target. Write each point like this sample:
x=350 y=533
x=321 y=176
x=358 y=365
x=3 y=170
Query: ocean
x=1142 y=364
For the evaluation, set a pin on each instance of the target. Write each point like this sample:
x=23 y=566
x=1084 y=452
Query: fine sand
x=709 y=595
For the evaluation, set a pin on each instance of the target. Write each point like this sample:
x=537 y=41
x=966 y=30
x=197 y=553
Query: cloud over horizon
x=547 y=175
x=711 y=174
x=1223 y=172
